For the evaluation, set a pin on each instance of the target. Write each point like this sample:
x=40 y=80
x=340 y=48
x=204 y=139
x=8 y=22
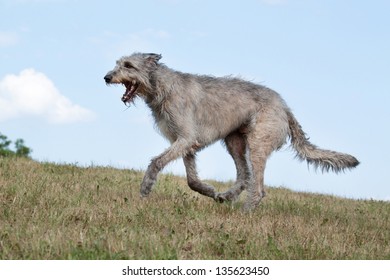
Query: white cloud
x=32 y=93
x=8 y=39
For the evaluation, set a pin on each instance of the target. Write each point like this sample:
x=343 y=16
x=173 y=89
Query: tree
x=4 y=146
x=20 y=149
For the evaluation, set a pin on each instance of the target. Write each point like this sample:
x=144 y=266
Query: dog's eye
x=128 y=65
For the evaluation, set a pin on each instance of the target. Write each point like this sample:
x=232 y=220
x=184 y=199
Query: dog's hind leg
x=193 y=180
x=267 y=135
x=258 y=157
x=236 y=146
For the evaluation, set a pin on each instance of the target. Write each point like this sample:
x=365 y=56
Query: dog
x=194 y=111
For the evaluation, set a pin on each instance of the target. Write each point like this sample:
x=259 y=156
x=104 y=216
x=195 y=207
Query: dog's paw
x=223 y=197
x=144 y=194
x=146 y=186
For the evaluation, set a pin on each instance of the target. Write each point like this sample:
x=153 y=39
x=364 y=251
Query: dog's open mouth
x=130 y=92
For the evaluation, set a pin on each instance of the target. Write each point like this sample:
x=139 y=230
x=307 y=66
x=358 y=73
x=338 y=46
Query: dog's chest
x=165 y=126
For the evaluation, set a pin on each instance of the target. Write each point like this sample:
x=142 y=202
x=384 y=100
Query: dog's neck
x=159 y=89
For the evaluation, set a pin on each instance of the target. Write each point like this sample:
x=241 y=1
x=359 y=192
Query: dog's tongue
x=129 y=93
x=126 y=96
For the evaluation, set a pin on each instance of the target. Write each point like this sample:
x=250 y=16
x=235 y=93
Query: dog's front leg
x=178 y=149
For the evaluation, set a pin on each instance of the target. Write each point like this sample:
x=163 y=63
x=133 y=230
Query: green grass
x=50 y=211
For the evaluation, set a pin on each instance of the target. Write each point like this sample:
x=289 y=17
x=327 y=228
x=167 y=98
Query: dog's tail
x=324 y=159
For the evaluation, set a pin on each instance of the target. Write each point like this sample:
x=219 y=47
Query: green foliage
x=20 y=149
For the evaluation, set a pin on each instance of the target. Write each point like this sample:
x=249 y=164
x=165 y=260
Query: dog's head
x=134 y=73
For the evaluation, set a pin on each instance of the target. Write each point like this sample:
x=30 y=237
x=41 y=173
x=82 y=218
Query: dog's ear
x=152 y=58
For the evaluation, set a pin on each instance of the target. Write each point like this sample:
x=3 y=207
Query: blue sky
x=330 y=61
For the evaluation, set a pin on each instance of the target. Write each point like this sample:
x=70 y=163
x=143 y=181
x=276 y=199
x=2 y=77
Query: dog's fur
x=194 y=111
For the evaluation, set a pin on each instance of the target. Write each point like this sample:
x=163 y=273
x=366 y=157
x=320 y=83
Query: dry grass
x=50 y=211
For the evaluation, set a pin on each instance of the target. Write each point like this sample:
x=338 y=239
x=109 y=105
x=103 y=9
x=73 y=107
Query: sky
x=328 y=59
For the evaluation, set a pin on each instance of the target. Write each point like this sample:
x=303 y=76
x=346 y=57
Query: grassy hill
x=50 y=211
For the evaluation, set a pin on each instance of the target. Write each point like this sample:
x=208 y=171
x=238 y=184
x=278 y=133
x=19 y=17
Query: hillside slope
x=50 y=211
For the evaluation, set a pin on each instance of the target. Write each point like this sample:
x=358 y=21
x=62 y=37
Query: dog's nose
x=108 y=78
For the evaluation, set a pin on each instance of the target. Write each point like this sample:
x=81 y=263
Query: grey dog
x=194 y=111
